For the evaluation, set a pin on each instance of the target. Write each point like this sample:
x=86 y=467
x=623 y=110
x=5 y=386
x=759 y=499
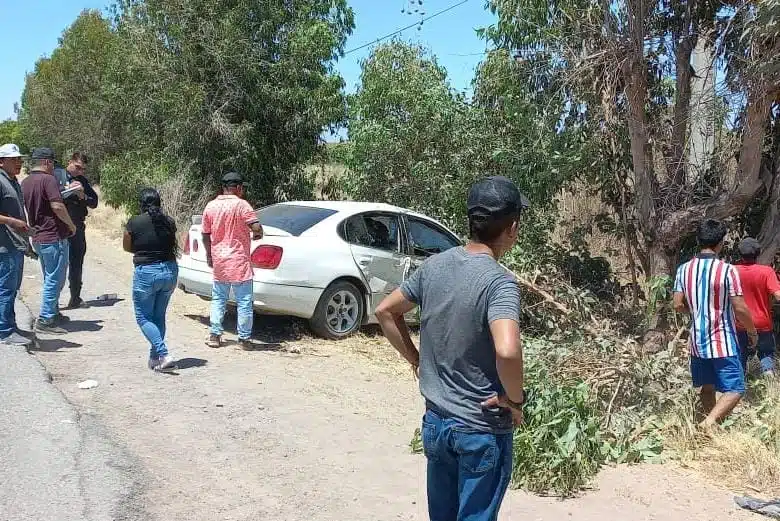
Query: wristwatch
x=516 y=405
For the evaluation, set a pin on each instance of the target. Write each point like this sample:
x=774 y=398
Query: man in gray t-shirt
x=13 y=242
x=470 y=361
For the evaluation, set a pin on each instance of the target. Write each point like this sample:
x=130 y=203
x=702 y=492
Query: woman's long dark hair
x=164 y=226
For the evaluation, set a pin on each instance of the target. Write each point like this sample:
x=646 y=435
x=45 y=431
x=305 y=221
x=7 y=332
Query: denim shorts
x=725 y=374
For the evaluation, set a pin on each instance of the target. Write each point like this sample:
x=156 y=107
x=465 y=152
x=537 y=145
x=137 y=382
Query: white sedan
x=328 y=262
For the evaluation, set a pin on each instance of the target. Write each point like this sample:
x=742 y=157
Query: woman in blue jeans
x=151 y=238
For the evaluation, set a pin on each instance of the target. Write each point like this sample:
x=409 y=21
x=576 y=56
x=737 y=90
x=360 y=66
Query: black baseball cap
x=749 y=247
x=43 y=153
x=495 y=197
x=232 y=178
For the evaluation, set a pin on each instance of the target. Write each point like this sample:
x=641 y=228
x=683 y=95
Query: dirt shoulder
x=302 y=429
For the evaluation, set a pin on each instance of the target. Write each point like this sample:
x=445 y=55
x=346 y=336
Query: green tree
x=411 y=136
x=212 y=85
x=627 y=73
x=10 y=132
x=417 y=143
x=64 y=103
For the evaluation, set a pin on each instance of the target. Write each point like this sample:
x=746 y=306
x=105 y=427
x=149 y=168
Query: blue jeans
x=153 y=285
x=468 y=472
x=54 y=265
x=766 y=350
x=243 y=292
x=11 y=267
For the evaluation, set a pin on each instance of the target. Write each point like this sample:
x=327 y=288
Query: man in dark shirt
x=13 y=242
x=470 y=360
x=51 y=227
x=79 y=198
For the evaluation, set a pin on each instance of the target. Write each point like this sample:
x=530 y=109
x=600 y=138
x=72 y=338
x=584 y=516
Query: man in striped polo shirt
x=710 y=290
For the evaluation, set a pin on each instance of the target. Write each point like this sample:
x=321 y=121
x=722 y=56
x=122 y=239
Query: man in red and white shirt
x=760 y=285
x=711 y=291
x=226 y=226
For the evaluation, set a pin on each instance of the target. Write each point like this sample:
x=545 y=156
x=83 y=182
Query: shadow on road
x=50 y=345
x=104 y=303
x=83 y=326
x=189 y=363
x=263 y=346
x=270 y=330
x=185 y=363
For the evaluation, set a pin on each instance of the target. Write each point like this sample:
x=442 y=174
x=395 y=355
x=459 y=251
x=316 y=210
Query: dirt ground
x=300 y=429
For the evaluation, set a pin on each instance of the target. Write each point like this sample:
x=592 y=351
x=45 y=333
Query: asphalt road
x=56 y=463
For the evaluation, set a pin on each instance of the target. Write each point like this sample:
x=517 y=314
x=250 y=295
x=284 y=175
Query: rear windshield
x=291 y=218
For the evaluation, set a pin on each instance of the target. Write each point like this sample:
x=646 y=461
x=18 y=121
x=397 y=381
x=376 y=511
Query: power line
x=399 y=31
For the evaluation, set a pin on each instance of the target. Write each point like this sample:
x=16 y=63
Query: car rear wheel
x=339 y=312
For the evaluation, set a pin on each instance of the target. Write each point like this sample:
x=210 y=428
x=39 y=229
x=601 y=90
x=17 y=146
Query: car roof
x=350 y=207
x=347 y=208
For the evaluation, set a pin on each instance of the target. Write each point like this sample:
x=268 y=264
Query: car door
x=378 y=246
x=426 y=238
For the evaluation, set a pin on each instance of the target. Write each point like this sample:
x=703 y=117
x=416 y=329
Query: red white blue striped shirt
x=708 y=285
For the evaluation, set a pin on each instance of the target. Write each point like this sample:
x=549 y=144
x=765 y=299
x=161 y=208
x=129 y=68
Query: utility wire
x=399 y=31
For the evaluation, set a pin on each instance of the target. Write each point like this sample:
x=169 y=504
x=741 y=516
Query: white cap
x=10 y=150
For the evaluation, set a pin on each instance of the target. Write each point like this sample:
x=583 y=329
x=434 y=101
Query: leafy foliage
x=11 y=132
x=411 y=136
x=195 y=88
x=65 y=104
x=416 y=142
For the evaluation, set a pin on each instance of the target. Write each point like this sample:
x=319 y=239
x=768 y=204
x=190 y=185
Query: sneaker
x=214 y=341
x=166 y=364
x=246 y=344
x=15 y=339
x=154 y=363
x=49 y=327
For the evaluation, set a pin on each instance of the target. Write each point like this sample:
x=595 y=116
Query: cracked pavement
x=57 y=464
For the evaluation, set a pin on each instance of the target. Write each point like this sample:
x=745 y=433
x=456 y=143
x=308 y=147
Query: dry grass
x=742 y=462
x=577 y=208
x=745 y=454
x=107 y=220
x=326 y=178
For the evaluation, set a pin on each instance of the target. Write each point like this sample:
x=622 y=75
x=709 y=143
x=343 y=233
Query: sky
x=37 y=25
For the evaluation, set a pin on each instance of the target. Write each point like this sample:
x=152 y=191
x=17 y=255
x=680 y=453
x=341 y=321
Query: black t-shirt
x=151 y=245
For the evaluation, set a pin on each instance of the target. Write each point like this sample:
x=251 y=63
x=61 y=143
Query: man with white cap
x=13 y=242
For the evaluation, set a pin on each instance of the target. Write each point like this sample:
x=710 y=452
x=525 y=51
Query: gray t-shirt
x=12 y=205
x=459 y=295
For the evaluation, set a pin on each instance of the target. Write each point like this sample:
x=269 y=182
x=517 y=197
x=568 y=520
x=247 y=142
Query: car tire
x=339 y=312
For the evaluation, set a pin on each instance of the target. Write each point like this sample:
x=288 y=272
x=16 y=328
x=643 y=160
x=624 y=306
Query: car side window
x=378 y=231
x=427 y=239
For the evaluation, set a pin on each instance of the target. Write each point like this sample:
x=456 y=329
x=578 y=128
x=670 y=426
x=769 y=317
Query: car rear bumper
x=273 y=299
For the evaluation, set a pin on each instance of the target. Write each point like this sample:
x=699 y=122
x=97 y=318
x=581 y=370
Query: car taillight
x=187 y=244
x=267 y=257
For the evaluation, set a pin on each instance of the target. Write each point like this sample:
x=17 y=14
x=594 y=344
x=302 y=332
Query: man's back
x=759 y=283
x=708 y=285
x=40 y=190
x=226 y=219
x=459 y=294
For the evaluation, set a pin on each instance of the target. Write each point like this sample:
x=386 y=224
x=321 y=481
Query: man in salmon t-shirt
x=760 y=285
x=227 y=221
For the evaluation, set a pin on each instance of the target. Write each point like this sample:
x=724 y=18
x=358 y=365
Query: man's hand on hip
x=504 y=402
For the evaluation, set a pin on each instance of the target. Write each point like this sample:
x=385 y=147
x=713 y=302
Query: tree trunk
x=769 y=236
x=635 y=76
x=728 y=203
x=682 y=109
x=662 y=263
